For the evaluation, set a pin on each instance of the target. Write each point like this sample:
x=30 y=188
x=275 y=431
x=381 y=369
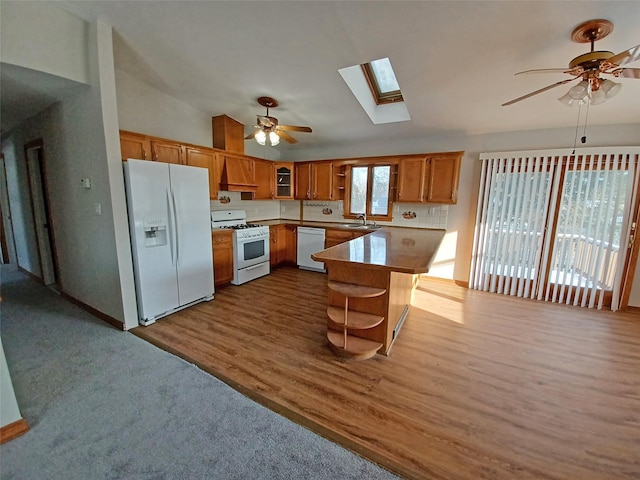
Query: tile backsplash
x=404 y=214
x=256 y=209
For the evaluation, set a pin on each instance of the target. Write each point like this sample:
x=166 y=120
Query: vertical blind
x=553 y=225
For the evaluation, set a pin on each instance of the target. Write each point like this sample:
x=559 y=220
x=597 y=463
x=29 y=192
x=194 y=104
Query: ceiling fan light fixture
x=579 y=91
x=567 y=99
x=610 y=88
x=597 y=97
x=261 y=137
x=274 y=139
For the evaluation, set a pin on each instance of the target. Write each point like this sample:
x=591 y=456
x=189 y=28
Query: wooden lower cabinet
x=283 y=245
x=222 y=244
x=291 y=251
x=277 y=244
x=336 y=236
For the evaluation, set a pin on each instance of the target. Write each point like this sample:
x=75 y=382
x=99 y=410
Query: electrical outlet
x=98 y=208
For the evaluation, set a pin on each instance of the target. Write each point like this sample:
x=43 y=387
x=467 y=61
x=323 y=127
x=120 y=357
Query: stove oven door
x=251 y=251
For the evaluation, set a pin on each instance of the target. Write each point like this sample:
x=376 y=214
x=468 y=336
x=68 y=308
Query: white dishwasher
x=310 y=240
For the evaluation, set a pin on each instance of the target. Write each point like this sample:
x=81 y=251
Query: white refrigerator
x=170 y=227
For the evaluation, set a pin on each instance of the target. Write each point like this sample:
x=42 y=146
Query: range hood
x=237 y=175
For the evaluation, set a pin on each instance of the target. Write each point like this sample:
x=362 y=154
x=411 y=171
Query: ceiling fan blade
x=251 y=135
x=627 y=73
x=546 y=70
x=625 y=57
x=293 y=128
x=285 y=136
x=557 y=84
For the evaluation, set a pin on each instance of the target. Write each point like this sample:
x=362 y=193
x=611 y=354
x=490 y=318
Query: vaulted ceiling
x=455 y=61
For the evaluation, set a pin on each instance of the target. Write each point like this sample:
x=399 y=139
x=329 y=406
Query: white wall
x=144 y=109
x=9 y=411
x=42 y=37
x=80 y=137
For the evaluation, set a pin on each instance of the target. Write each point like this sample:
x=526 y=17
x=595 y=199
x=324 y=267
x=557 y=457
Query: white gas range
x=250 y=244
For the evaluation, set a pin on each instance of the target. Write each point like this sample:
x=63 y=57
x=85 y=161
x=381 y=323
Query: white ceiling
x=455 y=61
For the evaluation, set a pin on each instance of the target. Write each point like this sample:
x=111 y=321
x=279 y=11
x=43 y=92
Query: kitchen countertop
x=311 y=224
x=398 y=249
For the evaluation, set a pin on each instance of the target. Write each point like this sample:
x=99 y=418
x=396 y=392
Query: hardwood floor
x=477 y=385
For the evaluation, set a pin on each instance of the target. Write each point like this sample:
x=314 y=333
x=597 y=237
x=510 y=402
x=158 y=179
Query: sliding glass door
x=588 y=232
x=554 y=226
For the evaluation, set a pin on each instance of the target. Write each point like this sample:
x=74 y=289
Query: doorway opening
x=42 y=219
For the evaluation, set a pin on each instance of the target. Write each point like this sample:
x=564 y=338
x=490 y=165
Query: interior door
x=41 y=213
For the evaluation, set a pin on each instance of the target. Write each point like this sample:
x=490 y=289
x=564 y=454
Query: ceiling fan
x=590 y=66
x=268 y=127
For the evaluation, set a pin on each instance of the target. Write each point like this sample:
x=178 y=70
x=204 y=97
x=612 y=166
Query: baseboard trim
x=450 y=281
x=635 y=310
x=97 y=313
x=13 y=430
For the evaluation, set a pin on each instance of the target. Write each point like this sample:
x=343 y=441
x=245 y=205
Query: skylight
x=382 y=81
x=380 y=98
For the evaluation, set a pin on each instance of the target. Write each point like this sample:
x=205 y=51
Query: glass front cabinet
x=284 y=180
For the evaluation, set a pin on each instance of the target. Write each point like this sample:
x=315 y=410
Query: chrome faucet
x=363 y=216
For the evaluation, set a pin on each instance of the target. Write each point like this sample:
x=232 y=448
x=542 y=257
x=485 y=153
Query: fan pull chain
x=584 y=133
x=575 y=139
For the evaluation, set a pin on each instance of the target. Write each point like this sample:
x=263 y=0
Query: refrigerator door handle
x=172 y=227
x=176 y=219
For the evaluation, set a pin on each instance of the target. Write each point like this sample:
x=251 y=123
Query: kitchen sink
x=359 y=226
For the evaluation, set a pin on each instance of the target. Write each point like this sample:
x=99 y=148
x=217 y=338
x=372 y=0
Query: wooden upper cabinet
x=322 y=181
x=167 y=152
x=339 y=181
x=228 y=134
x=411 y=176
x=302 y=180
x=205 y=158
x=284 y=180
x=442 y=179
x=430 y=179
x=313 y=180
x=264 y=178
x=134 y=145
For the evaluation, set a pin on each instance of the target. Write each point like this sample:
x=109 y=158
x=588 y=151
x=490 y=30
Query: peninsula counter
x=389 y=258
